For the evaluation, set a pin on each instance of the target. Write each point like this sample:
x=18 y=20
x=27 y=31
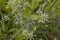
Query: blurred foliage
x=28 y=19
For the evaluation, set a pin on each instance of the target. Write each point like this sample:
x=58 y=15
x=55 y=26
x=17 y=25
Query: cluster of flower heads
x=5 y=18
x=17 y=7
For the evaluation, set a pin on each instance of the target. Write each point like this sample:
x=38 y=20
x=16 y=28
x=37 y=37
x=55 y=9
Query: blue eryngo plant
x=27 y=19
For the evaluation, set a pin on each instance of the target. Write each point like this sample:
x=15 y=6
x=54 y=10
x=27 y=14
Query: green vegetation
x=28 y=19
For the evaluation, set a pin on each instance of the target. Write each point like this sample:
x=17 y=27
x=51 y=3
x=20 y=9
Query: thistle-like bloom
x=29 y=35
x=16 y=19
x=43 y=18
x=5 y=18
